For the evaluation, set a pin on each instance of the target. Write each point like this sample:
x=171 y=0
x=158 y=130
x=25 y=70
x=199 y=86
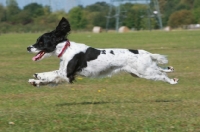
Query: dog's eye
x=40 y=43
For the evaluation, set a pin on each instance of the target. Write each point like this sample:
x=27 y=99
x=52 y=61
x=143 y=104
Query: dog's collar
x=64 y=48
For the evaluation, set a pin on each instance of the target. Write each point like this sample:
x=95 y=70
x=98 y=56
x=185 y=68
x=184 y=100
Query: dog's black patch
x=112 y=52
x=134 y=51
x=74 y=65
x=103 y=52
x=79 y=61
x=91 y=54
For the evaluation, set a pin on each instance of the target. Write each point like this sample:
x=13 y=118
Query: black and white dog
x=80 y=59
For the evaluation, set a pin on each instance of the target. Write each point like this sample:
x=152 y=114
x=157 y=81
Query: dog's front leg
x=53 y=77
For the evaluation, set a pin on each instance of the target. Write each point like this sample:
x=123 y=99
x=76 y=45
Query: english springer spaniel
x=83 y=60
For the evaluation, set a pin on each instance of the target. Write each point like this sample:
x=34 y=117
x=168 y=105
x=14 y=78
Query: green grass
x=118 y=104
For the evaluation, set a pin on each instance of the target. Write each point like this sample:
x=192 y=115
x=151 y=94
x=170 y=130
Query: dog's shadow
x=84 y=103
x=103 y=102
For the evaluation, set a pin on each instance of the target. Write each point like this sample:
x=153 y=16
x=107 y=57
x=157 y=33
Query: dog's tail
x=160 y=59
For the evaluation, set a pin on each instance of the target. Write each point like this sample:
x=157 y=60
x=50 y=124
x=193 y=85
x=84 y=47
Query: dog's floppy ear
x=63 y=28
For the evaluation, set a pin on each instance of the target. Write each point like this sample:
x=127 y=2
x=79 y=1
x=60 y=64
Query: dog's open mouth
x=38 y=56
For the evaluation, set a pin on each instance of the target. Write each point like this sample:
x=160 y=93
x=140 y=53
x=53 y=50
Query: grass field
x=118 y=104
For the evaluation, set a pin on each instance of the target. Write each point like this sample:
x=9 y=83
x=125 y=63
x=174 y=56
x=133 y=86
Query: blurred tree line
x=35 y=17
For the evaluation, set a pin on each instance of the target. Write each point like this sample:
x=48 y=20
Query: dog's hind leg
x=152 y=73
x=160 y=77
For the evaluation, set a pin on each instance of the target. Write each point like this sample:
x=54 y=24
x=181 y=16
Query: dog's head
x=46 y=43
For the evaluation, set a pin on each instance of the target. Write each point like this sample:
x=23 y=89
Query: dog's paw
x=175 y=81
x=170 y=68
x=35 y=83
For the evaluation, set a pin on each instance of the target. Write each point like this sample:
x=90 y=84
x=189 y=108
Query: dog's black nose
x=29 y=49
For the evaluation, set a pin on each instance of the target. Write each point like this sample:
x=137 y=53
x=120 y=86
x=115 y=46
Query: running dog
x=80 y=59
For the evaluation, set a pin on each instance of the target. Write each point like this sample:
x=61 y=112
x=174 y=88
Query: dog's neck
x=61 y=47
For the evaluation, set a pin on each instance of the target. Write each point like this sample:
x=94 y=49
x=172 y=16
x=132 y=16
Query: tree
x=12 y=10
x=196 y=15
x=96 y=14
x=196 y=3
x=77 y=18
x=187 y=3
x=34 y=9
x=134 y=15
x=2 y=13
x=181 y=18
x=22 y=18
x=98 y=7
x=128 y=15
x=47 y=10
x=182 y=6
x=167 y=7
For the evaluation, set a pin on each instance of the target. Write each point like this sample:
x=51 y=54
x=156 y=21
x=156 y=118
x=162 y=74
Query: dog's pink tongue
x=35 y=58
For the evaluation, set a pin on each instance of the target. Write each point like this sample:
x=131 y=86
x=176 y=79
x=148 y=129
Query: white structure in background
x=123 y=29
x=167 y=28
x=97 y=29
x=193 y=26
